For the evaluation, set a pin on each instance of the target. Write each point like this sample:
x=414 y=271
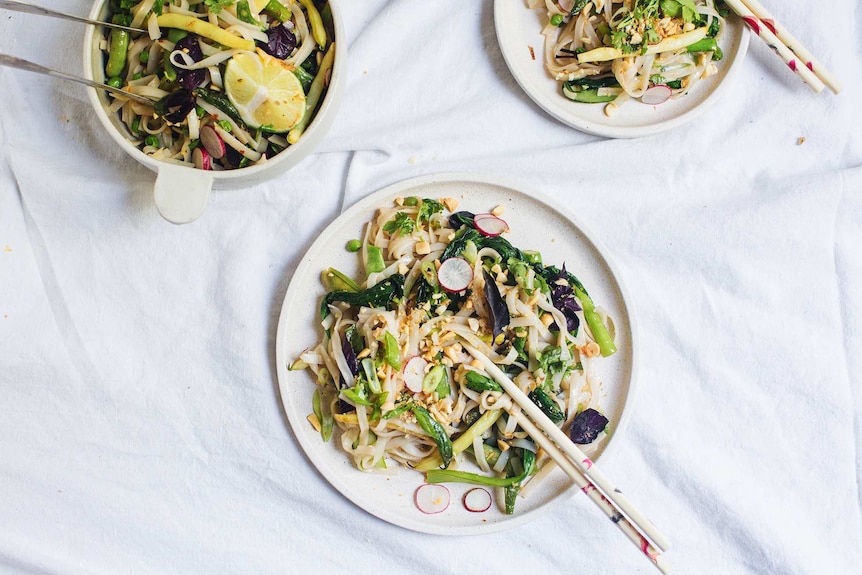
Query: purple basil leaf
x=587 y=426
x=498 y=308
x=190 y=79
x=563 y=298
x=349 y=355
x=280 y=42
x=176 y=106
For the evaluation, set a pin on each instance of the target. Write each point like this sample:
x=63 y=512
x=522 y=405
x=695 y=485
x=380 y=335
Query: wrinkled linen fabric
x=141 y=429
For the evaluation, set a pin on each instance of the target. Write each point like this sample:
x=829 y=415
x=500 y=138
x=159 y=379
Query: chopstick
x=592 y=492
x=794 y=54
x=573 y=454
x=795 y=45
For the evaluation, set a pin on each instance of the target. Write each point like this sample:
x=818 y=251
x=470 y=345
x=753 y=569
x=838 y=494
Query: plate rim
x=374 y=199
x=547 y=104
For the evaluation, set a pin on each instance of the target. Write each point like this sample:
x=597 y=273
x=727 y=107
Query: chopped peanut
x=423 y=248
x=315 y=423
x=451 y=204
x=591 y=349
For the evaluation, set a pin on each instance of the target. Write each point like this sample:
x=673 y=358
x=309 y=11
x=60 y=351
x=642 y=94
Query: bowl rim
x=315 y=132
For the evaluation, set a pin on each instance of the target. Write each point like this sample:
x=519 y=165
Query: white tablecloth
x=141 y=429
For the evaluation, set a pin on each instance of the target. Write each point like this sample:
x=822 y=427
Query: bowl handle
x=181 y=193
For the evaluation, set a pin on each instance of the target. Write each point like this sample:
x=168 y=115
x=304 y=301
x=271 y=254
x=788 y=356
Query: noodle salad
x=233 y=82
x=393 y=370
x=610 y=51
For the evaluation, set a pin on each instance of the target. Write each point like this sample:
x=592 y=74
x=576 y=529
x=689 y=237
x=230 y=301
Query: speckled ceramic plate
x=519 y=32
x=535 y=224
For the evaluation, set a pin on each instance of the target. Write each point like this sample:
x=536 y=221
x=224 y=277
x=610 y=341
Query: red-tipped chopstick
x=783 y=43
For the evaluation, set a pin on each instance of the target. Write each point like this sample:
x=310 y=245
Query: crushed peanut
x=315 y=423
x=451 y=204
x=591 y=349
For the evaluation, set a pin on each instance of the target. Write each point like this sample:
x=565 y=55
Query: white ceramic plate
x=536 y=225
x=521 y=41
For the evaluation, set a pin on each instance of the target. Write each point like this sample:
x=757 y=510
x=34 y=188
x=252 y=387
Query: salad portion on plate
x=610 y=51
x=387 y=385
x=393 y=369
x=581 y=60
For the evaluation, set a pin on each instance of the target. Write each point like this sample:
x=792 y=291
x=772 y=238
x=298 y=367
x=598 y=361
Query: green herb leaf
x=401 y=223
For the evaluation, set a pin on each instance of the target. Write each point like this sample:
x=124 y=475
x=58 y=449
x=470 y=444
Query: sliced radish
x=414 y=373
x=657 y=94
x=212 y=142
x=455 y=274
x=477 y=500
x=490 y=225
x=432 y=498
x=201 y=159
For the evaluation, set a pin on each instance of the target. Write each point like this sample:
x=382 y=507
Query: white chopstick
x=765 y=33
x=594 y=494
x=577 y=457
x=783 y=34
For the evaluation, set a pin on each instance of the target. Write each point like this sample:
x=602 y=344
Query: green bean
x=317 y=28
x=353 y=246
x=117 y=53
x=314 y=94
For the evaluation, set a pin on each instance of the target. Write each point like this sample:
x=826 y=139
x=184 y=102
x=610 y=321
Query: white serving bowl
x=181 y=192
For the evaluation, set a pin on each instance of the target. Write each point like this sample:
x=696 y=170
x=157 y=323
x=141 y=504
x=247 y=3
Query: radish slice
x=212 y=142
x=414 y=373
x=657 y=94
x=432 y=498
x=201 y=159
x=477 y=500
x=455 y=274
x=490 y=225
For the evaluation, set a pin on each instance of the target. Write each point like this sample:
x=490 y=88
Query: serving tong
x=26 y=8
x=22 y=64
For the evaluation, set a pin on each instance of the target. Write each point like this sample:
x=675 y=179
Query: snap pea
x=170 y=71
x=433 y=428
x=478 y=382
x=221 y=102
x=707 y=45
x=541 y=398
x=175 y=35
x=375 y=257
x=277 y=10
x=115 y=81
x=465 y=440
x=117 y=53
x=391 y=352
